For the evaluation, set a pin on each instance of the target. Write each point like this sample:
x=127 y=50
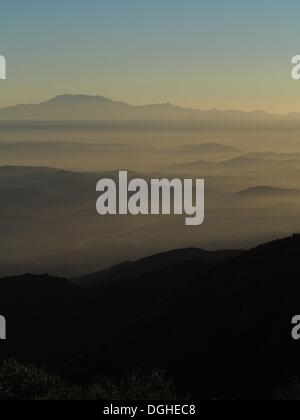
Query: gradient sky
x=203 y=54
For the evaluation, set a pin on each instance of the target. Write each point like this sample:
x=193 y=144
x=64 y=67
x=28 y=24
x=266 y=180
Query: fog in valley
x=49 y=172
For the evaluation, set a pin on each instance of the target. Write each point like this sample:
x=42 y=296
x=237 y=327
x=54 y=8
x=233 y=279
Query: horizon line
x=187 y=108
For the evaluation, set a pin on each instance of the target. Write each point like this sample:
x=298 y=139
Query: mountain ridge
x=94 y=107
x=151 y=264
x=268 y=190
x=210 y=324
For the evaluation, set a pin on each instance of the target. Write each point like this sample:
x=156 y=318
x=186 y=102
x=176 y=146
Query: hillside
x=265 y=191
x=151 y=264
x=228 y=333
x=220 y=328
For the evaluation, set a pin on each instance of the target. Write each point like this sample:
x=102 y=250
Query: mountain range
x=239 y=165
x=56 y=209
x=99 y=108
x=221 y=327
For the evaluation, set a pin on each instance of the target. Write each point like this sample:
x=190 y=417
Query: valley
x=50 y=168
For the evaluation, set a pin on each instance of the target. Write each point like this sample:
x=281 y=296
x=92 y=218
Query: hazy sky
x=204 y=54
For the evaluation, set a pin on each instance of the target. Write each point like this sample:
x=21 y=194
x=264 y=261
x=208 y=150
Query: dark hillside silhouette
x=221 y=328
x=52 y=321
x=152 y=264
x=229 y=332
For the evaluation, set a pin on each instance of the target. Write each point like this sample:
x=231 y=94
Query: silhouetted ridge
x=227 y=333
x=222 y=328
x=152 y=264
x=265 y=190
x=86 y=107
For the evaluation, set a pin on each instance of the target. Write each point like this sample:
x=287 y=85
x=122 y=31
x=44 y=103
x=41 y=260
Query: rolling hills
x=221 y=328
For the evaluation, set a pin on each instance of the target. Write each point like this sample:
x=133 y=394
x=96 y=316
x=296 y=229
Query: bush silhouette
x=136 y=386
x=289 y=393
x=21 y=382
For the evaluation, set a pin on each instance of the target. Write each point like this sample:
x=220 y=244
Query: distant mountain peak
x=68 y=98
x=268 y=190
x=82 y=107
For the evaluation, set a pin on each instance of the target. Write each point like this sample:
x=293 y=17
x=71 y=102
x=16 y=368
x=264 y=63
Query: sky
x=195 y=53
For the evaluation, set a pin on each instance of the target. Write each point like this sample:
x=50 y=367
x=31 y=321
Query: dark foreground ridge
x=220 y=326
